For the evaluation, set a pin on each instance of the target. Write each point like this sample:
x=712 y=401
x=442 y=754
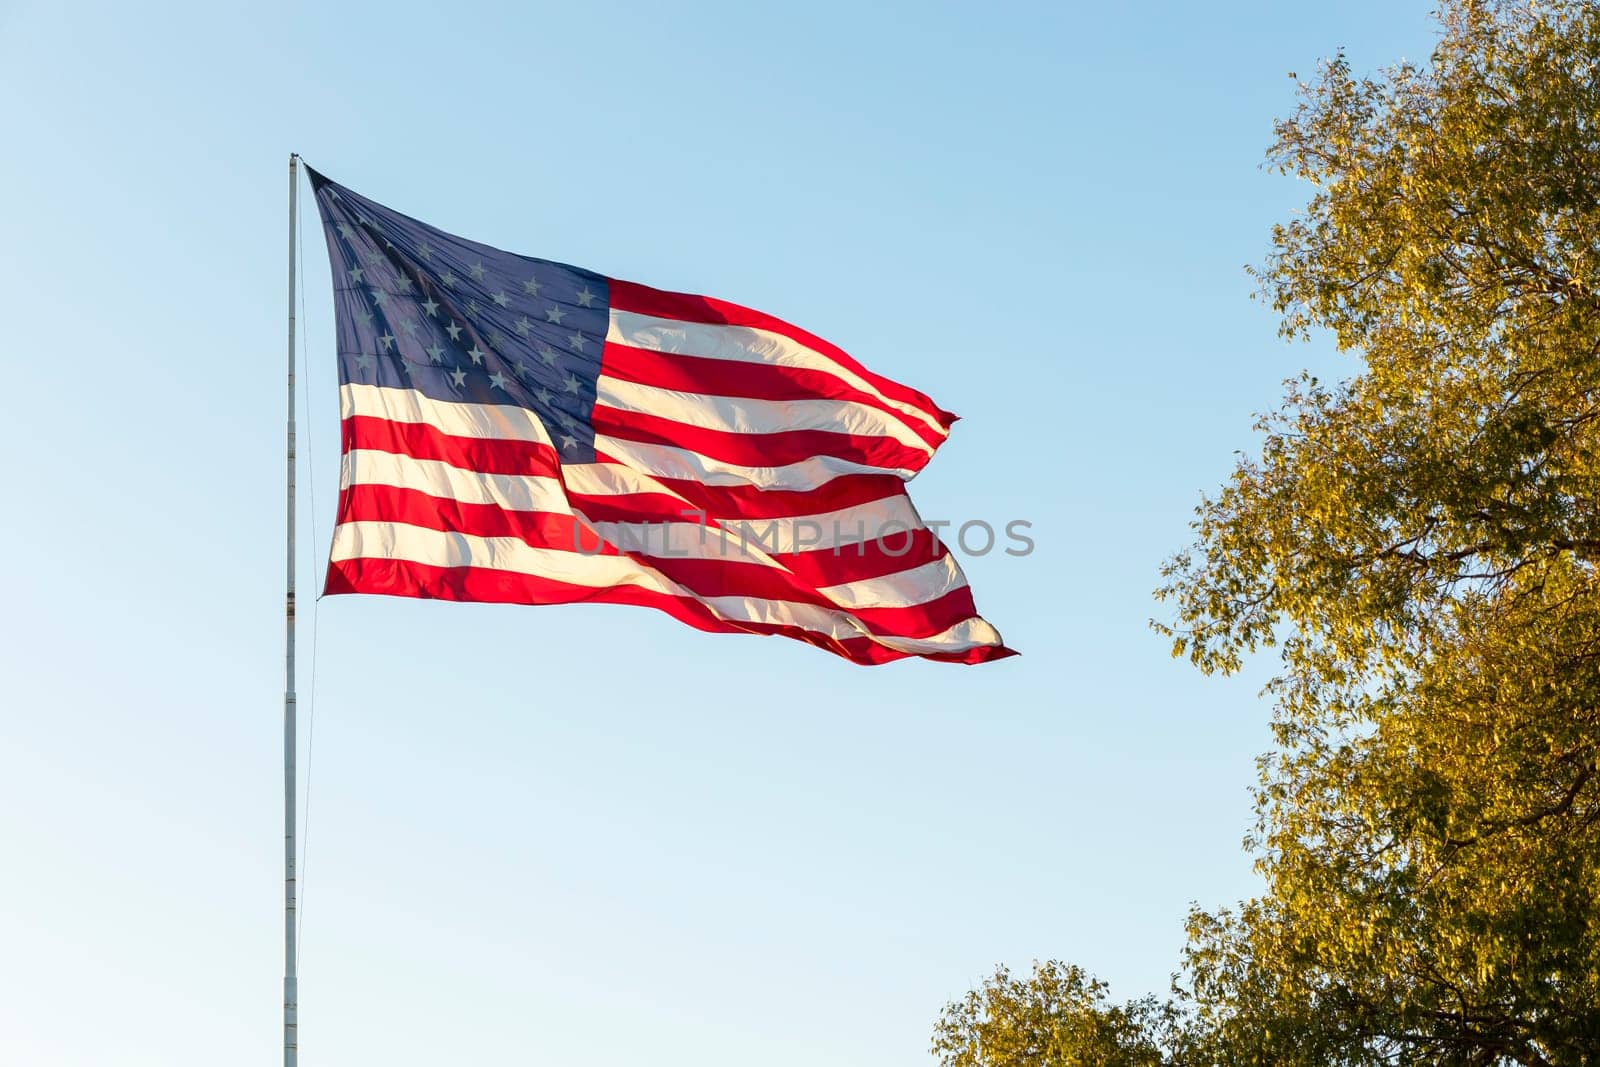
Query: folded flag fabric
x=521 y=431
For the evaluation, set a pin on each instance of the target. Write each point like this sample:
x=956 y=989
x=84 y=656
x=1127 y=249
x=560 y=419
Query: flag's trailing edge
x=521 y=431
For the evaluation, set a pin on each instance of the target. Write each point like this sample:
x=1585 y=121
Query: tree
x=1057 y=1015
x=1419 y=543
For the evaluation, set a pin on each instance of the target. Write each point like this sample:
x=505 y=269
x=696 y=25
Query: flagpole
x=291 y=994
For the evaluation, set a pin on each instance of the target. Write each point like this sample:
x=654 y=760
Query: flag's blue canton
x=456 y=320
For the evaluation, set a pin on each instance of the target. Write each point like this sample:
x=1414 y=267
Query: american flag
x=522 y=431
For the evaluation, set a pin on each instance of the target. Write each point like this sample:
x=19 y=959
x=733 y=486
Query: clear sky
x=590 y=836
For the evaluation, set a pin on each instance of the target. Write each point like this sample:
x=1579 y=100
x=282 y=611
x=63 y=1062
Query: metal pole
x=291 y=996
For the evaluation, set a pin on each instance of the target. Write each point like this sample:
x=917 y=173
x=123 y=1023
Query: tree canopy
x=1419 y=545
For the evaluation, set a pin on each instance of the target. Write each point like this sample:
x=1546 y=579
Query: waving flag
x=522 y=431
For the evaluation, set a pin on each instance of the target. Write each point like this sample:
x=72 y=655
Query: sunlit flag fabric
x=521 y=431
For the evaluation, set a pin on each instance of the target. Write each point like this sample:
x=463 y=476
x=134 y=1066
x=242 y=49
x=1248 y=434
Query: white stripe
x=889 y=517
x=842 y=530
x=748 y=416
x=679 y=540
x=743 y=344
x=968 y=633
x=504 y=422
x=437 y=548
x=733 y=541
x=760 y=539
x=612 y=479
x=378 y=540
x=514 y=492
x=667 y=461
x=918 y=585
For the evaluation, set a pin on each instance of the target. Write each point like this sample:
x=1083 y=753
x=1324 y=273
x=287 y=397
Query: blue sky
x=590 y=836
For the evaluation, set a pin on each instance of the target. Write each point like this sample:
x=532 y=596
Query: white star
x=545 y=397
x=572 y=384
x=425 y=250
x=502 y=299
x=576 y=341
x=387 y=341
x=345 y=231
x=555 y=315
x=523 y=326
x=454 y=331
x=404 y=284
x=364 y=315
x=477 y=356
x=379 y=297
x=459 y=376
x=409 y=326
x=449 y=280
x=531 y=287
x=472 y=307
x=585 y=297
x=497 y=380
x=547 y=354
x=496 y=339
x=430 y=305
x=477 y=271
x=568 y=441
x=435 y=353
x=363 y=361
x=355 y=274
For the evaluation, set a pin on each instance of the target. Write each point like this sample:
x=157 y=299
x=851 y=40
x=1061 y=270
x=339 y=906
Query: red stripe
x=541 y=529
x=744 y=501
x=936 y=615
x=897 y=549
x=643 y=300
x=488 y=455
x=639 y=507
x=399 y=577
x=873 y=558
x=757 y=449
x=391 y=577
x=757 y=381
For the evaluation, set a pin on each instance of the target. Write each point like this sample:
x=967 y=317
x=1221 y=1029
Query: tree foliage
x=1419 y=544
x=1057 y=1015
